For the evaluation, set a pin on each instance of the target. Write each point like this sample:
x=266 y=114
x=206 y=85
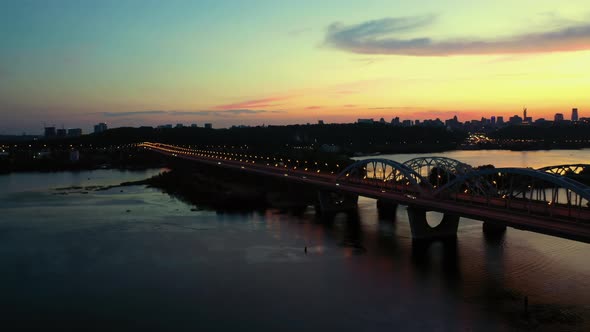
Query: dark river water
x=136 y=258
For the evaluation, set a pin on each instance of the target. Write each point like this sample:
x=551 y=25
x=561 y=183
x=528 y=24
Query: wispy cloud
x=256 y=103
x=378 y=37
x=225 y=112
x=313 y=107
x=132 y=113
x=216 y=113
x=368 y=61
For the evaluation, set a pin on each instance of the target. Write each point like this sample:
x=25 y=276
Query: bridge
x=542 y=200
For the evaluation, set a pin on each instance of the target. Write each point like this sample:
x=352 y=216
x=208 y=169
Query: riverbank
x=211 y=188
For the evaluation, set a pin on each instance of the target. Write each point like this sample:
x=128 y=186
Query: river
x=134 y=257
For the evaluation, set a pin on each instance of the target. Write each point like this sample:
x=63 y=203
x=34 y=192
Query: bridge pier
x=332 y=202
x=386 y=208
x=421 y=230
x=493 y=228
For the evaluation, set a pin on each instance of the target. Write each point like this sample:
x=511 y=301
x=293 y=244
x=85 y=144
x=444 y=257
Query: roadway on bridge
x=559 y=223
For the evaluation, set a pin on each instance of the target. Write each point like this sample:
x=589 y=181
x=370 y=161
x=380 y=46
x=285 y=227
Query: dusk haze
x=131 y=63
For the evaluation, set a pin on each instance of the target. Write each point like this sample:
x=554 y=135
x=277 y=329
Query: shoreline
x=81 y=167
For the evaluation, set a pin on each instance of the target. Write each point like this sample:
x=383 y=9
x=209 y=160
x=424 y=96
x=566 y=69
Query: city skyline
x=137 y=63
x=494 y=121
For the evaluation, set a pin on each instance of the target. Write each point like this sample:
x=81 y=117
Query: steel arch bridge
x=565 y=170
x=521 y=189
x=385 y=174
x=543 y=201
x=438 y=170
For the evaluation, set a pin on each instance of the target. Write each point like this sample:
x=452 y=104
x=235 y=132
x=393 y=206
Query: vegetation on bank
x=60 y=159
x=343 y=138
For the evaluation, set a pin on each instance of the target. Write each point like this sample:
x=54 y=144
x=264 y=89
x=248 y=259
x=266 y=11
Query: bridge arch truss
x=385 y=174
x=522 y=190
x=566 y=170
x=438 y=171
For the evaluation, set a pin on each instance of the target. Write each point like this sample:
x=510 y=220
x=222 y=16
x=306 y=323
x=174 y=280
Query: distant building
x=320 y=122
x=493 y=120
x=194 y=125
x=99 y=128
x=208 y=126
x=365 y=121
x=452 y=123
x=62 y=132
x=50 y=132
x=574 y=114
x=382 y=121
x=179 y=125
x=540 y=121
x=75 y=132
x=525 y=118
x=395 y=121
x=407 y=123
x=500 y=120
x=166 y=126
x=558 y=117
x=515 y=120
x=430 y=123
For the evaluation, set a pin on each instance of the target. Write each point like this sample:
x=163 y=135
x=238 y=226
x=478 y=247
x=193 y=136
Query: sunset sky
x=76 y=63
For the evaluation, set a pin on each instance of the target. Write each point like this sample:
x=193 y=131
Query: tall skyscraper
x=574 y=114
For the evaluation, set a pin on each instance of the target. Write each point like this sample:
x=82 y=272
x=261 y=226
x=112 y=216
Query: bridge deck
x=559 y=220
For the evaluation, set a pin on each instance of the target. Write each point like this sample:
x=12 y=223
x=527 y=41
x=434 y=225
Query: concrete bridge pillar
x=386 y=208
x=493 y=228
x=421 y=230
x=329 y=202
